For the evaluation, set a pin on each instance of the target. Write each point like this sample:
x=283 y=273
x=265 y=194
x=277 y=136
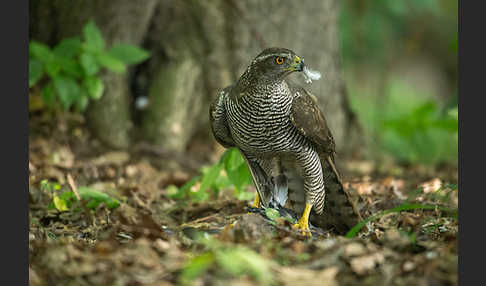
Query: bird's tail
x=340 y=210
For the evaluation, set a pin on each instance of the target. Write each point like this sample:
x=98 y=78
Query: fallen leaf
x=116 y=158
x=325 y=277
x=431 y=186
x=354 y=249
x=362 y=265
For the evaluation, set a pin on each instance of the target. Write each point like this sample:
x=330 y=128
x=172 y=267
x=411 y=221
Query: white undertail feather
x=280 y=191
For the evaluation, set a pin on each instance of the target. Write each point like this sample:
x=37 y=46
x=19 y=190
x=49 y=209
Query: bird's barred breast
x=262 y=125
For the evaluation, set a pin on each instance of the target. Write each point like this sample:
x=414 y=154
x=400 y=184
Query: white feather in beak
x=310 y=75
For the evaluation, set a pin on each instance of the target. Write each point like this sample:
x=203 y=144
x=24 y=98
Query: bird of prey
x=283 y=137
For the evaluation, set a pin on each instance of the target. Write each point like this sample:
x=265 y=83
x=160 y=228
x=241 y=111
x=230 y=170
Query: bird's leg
x=309 y=162
x=303 y=223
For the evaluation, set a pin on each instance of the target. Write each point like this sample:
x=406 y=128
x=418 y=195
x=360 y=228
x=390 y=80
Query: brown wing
x=309 y=120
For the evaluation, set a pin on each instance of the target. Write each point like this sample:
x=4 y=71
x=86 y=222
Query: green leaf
x=93 y=37
x=210 y=177
x=95 y=87
x=240 y=176
x=233 y=159
x=82 y=103
x=70 y=66
x=49 y=94
x=448 y=124
x=67 y=89
x=59 y=203
x=183 y=191
x=453 y=112
x=53 y=67
x=90 y=194
x=236 y=169
x=68 y=48
x=44 y=185
x=40 y=51
x=92 y=197
x=36 y=70
x=241 y=260
x=272 y=213
x=245 y=195
x=129 y=54
x=111 y=63
x=89 y=63
x=197 y=266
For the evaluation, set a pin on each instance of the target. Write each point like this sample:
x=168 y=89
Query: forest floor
x=140 y=235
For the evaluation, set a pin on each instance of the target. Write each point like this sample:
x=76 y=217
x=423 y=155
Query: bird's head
x=276 y=63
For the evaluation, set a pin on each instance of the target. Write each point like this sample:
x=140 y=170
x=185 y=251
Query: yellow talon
x=256 y=202
x=303 y=223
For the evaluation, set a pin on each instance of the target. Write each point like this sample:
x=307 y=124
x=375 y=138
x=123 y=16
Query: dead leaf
x=116 y=158
x=63 y=157
x=325 y=277
x=431 y=186
x=354 y=249
x=364 y=264
x=363 y=188
x=408 y=266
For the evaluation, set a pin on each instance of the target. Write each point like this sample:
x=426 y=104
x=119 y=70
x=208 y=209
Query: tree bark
x=198 y=48
x=122 y=21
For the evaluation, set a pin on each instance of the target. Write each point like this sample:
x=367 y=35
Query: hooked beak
x=297 y=65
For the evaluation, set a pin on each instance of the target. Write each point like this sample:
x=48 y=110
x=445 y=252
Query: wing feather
x=308 y=119
x=217 y=118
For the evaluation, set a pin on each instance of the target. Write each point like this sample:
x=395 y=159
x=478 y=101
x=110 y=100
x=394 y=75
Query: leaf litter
x=151 y=238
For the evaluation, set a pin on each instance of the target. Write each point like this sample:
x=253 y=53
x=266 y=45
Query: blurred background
x=400 y=67
x=141 y=75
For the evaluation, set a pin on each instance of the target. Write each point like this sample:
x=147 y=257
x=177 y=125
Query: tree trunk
x=198 y=48
x=122 y=21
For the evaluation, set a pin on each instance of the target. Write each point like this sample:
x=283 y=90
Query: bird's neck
x=254 y=82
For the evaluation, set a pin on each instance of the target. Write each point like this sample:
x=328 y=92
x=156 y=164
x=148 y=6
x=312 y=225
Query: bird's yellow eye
x=279 y=60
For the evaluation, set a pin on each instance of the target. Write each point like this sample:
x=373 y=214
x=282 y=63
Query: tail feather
x=287 y=190
x=340 y=211
x=279 y=192
x=262 y=182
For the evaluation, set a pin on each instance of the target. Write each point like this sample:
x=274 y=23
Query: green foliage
x=377 y=38
x=230 y=172
x=403 y=207
x=72 y=67
x=420 y=135
x=405 y=124
x=272 y=214
x=275 y=217
x=384 y=28
x=224 y=260
x=92 y=197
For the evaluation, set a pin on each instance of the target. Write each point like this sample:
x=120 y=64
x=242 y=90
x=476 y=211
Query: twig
x=73 y=186
x=83 y=205
x=203 y=218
